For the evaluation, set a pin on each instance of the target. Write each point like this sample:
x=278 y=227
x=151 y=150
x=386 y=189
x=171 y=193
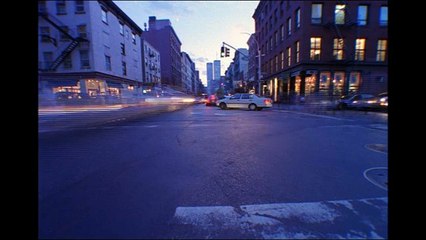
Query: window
x=288 y=26
x=84 y=59
x=48 y=59
x=338 y=44
x=277 y=39
x=133 y=38
x=381 y=50
x=62 y=35
x=61 y=7
x=383 y=16
x=123 y=67
x=297 y=51
x=245 y=96
x=270 y=44
x=282 y=32
x=68 y=62
x=315 y=48
x=316 y=15
x=325 y=78
x=79 y=6
x=122 y=28
x=282 y=60
x=297 y=20
x=339 y=14
x=354 y=81
x=362 y=15
x=81 y=29
x=45 y=34
x=123 y=49
x=338 y=83
x=104 y=15
x=107 y=63
x=288 y=56
x=360 y=49
x=42 y=6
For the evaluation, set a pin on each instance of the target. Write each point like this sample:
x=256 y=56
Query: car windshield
x=210 y=120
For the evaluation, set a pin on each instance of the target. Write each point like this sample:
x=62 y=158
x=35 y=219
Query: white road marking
x=290 y=220
x=374 y=182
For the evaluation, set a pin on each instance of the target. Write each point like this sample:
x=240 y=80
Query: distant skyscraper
x=216 y=70
x=209 y=77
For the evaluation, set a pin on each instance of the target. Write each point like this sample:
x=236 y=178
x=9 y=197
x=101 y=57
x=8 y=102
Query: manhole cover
x=383 y=148
x=378 y=177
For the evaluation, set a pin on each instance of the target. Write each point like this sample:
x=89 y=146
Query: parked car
x=352 y=101
x=245 y=101
x=211 y=100
x=379 y=102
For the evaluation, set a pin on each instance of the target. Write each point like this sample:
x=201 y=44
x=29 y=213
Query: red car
x=211 y=100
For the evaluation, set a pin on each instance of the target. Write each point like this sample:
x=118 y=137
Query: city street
x=202 y=172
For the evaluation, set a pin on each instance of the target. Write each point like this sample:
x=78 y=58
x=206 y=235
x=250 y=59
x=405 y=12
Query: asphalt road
x=156 y=177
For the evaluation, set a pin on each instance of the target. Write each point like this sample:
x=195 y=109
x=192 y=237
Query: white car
x=245 y=101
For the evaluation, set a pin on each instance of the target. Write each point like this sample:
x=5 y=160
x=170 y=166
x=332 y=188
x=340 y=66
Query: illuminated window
x=316 y=15
x=381 y=50
x=360 y=49
x=288 y=56
x=315 y=52
x=362 y=15
x=339 y=14
x=383 y=16
x=282 y=60
x=338 y=48
x=297 y=51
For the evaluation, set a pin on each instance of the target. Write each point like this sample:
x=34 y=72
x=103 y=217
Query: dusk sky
x=201 y=26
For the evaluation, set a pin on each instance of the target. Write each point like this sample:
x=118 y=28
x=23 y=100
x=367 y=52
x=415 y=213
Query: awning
x=114 y=84
x=62 y=83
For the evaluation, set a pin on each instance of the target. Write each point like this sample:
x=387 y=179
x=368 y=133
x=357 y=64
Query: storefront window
x=297 y=85
x=354 y=81
x=338 y=83
x=324 y=81
x=310 y=84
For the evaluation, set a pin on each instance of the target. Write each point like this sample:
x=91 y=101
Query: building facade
x=89 y=49
x=151 y=67
x=188 y=73
x=209 y=69
x=322 y=49
x=240 y=72
x=162 y=36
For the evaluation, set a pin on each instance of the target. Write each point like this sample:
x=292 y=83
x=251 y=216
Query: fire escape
x=75 y=41
x=349 y=24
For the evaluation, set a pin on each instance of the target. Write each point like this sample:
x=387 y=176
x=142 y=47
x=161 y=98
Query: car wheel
x=252 y=107
x=341 y=106
x=222 y=106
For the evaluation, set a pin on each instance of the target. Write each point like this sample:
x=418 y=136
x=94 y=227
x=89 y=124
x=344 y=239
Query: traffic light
x=222 y=51
x=226 y=52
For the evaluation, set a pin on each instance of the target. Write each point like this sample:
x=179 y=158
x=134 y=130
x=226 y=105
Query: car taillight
x=267 y=101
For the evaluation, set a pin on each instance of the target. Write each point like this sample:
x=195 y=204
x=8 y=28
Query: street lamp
x=259 y=74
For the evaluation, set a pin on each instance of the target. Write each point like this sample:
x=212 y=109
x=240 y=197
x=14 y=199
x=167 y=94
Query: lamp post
x=259 y=73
